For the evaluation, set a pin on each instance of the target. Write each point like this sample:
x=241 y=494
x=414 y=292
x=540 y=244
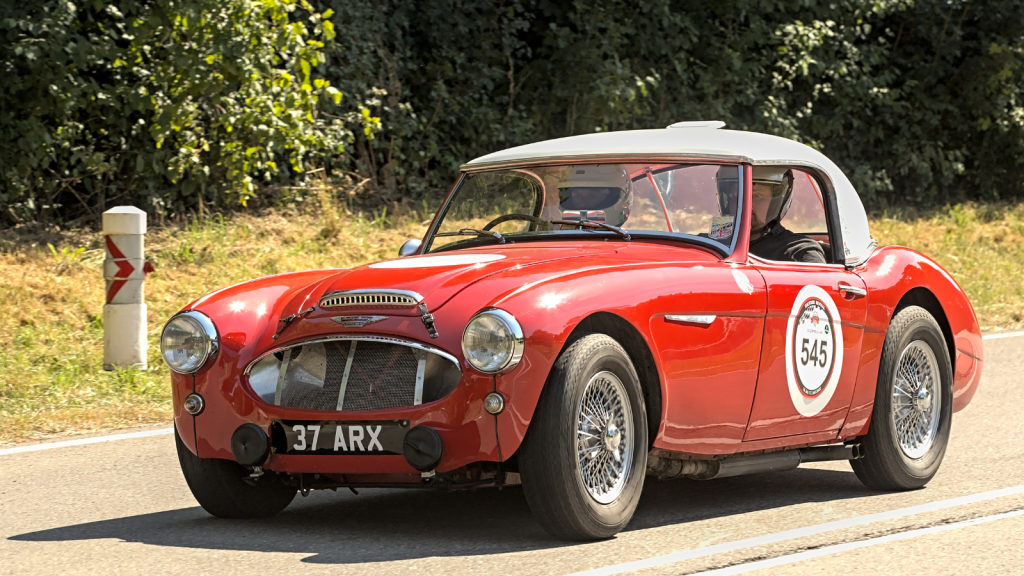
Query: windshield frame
x=596 y=234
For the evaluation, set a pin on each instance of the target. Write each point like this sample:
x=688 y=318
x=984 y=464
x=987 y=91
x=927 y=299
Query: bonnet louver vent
x=371 y=298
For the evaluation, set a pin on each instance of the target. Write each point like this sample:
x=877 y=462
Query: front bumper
x=466 y=429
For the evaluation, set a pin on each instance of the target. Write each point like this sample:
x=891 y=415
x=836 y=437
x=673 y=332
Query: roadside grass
x=981 y=246
x=51 y=377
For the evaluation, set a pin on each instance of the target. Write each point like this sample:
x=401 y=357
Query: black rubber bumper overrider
x=250 y=445
x=423 y=448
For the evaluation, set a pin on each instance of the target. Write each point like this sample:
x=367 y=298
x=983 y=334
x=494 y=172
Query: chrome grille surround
x=371 y=298
x=353 y=373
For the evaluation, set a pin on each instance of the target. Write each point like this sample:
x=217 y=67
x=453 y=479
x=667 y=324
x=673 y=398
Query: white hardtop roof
x=700 y=141
x=694 y=141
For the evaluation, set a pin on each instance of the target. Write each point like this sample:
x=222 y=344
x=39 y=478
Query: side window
x=698 y=200
x=807 y=212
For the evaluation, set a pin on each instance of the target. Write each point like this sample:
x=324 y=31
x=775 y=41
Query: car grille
x=364 y=373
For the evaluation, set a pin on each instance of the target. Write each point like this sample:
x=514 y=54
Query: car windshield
x=693 y=201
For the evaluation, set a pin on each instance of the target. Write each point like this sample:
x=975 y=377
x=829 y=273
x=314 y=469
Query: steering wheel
x=508 y=217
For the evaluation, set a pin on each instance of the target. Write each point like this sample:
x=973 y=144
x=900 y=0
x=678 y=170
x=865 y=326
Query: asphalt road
x=123 y=507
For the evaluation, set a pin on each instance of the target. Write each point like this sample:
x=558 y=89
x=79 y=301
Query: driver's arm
x=804 y=249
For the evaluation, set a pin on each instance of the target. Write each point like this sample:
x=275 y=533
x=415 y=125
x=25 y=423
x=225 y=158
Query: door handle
x=852 y=290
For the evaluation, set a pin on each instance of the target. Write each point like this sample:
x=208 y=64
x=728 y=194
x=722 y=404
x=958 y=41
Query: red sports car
x=581 y=314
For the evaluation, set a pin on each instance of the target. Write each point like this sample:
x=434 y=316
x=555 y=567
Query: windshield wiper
x=475 y=232
x=594 y=224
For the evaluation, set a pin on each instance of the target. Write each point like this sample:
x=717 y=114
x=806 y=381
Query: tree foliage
x=157 y=101
x=162 y=102
x=918 y=101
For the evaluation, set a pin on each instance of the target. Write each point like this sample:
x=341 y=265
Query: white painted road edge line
x=83 y=441
x=800 y=532
x=807 y=555
x=1001 y=335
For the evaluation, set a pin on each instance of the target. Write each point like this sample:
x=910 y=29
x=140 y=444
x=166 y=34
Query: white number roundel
x=814 y=350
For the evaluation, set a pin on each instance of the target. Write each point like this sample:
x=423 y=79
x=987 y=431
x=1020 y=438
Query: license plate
x=349 y=438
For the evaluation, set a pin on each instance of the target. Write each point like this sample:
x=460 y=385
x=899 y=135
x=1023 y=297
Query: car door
x=707 y=332
x=707 y=322
x=812 y=333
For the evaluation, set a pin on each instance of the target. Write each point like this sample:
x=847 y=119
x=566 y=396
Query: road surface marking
x=801 y=532
x=807 y=555
x=1001 y=335
x=83 y=441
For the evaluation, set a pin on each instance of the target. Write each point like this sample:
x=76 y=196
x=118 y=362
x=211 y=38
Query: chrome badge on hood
x=357 y=321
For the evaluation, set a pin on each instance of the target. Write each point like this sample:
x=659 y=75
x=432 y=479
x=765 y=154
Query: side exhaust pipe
x=668 y=468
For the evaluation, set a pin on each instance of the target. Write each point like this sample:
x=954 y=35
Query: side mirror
x=409 y=248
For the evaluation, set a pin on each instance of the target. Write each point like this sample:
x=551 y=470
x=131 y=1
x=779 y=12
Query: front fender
x=549 y=307
x=243 y=314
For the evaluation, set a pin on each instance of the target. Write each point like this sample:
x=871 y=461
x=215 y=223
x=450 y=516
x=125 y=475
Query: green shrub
x=159 y=102
x=155 y=102
x=920 y=102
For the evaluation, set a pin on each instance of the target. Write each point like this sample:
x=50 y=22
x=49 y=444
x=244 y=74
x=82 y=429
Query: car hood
x=438 y=277
x=251 y=315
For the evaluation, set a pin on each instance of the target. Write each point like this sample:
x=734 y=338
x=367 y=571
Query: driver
x=772 y=195
x=603 y=191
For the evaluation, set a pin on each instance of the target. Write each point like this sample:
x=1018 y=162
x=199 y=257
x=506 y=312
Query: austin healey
x=582 y=315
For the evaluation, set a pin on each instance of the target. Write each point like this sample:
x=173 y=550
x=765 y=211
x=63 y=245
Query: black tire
x=886 y=466
x=223 y=488
x=548 y=462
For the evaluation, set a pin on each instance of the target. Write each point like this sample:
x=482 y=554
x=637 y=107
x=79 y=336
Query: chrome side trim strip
x=344 y=377
x=384 y=339
x=705 y=319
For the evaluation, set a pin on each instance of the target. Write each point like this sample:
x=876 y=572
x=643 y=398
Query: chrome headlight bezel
x=204 y=325
x=517 y=341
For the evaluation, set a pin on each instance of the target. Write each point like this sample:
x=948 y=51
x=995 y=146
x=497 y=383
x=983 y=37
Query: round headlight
x=493 y=341
x=188 y=341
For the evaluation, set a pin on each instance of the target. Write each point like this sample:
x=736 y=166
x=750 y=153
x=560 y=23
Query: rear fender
x=897 y=277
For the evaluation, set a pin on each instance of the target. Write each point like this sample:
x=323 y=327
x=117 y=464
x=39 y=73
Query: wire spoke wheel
x=916 y=399
x=604 y=441
x=583 y=459
x=913 y=410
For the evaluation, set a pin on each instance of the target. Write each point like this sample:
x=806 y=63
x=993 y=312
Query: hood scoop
x=370 y=298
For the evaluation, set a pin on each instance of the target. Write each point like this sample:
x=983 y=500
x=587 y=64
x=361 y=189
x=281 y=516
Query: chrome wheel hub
x=604 y=444
x=924 y=400
x=916 y=399
x=612 y=439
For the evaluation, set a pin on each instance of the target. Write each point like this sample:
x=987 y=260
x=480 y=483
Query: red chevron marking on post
x=114 y=287
x=115 y=252
x=124 y=269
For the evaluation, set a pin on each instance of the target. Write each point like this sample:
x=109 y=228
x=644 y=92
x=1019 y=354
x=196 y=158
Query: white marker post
x=124 y=314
